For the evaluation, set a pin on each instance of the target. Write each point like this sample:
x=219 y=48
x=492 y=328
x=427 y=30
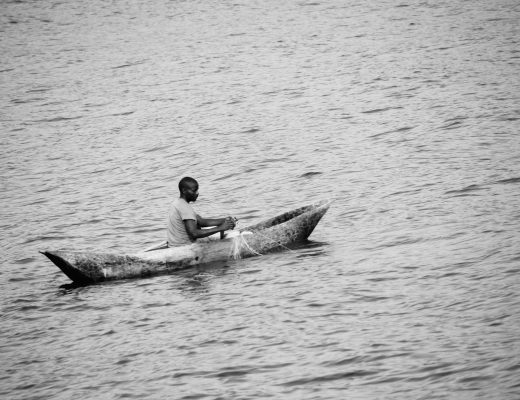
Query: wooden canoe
x=272 y=234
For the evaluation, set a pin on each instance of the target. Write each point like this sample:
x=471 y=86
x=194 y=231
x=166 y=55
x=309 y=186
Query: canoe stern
x=67 y=268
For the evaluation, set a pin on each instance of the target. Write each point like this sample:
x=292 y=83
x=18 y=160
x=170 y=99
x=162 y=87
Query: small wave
x=235 y=329
x=122 y=113
x=509 y=180
x=372 y=298
x=158 y=148
x=21 y=278
x=45 y=238
x=206 y=103
x=476 y=378
x=58 y=119
x=441 y=375
x=28 y=308
x=23 y=300
x=272 y=160
x=314 y=253
x=38 y=90
x=383 y=279
x=403 y=129
x=400 y=241
x=251 y=130
x=157 y=305
x=129 y=64
x=91 y=105
x=330 y=377
x=270 y=92
x=39 y=201
x=377 y=110
x=316 y=305
x=429 y=368
x=221 y=178
x=25 y=101
x=249 y=271
x=310 y=174
x=384 y=380
x=514 y=386
x=452 y=125
x=178 y=375
x=467 y=189
x=344 y=361
x=237 y=371
x=448 y=275
x=25 y=260
x=400 y=192
x=514 y=367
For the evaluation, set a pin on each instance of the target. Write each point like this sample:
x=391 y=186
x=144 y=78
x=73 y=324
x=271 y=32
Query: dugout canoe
x=275 y=233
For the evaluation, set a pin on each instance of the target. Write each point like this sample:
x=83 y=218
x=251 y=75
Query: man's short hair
x=184 y=182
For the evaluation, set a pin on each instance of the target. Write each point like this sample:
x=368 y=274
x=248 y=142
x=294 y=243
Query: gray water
x=406 y=112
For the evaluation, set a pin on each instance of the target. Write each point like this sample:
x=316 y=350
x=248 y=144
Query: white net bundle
x=240 y=245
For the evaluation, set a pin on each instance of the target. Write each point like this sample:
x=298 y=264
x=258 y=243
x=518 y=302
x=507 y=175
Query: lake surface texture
x=407 y=113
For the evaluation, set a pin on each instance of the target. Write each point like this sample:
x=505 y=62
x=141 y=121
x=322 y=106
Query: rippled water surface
x=406 y=112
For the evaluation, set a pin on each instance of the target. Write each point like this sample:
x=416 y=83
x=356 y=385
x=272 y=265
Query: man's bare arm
x=194 y=231
x=208 y=222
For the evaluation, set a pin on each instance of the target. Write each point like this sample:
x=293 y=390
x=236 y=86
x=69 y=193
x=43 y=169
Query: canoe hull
x=270 y=235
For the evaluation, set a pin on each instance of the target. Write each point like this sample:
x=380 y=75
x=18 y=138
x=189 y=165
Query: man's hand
x=229 y=223
x=234 y=220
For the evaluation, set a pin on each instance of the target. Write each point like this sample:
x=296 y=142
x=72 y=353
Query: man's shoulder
x=176 y=202
x=183 y=207
x=181 y=203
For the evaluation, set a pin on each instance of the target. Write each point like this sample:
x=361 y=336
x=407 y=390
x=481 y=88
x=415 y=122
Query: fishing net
x=239 y=245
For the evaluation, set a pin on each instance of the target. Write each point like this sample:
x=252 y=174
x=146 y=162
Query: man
x=184 y=225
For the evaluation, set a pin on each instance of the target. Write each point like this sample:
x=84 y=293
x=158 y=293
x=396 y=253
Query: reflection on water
x=406 y=114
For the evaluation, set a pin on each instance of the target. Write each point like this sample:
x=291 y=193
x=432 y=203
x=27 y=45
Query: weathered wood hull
x=275 y=233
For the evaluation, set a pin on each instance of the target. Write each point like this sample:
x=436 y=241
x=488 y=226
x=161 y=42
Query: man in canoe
x=184 y=224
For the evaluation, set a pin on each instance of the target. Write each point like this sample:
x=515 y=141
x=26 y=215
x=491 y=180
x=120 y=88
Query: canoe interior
x=280 y=219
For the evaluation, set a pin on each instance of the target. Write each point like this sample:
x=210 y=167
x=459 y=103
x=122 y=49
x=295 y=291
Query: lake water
x=406 y=112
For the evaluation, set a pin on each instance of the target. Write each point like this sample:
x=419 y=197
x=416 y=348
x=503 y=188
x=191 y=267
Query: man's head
x=189 y=189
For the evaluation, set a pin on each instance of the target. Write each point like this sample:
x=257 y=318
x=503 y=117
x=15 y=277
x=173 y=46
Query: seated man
x=184 y=225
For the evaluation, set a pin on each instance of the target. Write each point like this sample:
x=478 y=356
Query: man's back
x=179 y=211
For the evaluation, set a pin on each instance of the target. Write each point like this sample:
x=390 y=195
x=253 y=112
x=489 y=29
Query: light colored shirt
x=179 y=211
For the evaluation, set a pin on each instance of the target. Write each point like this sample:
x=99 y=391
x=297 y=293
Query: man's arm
x=194 y=232
x=208 y=222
